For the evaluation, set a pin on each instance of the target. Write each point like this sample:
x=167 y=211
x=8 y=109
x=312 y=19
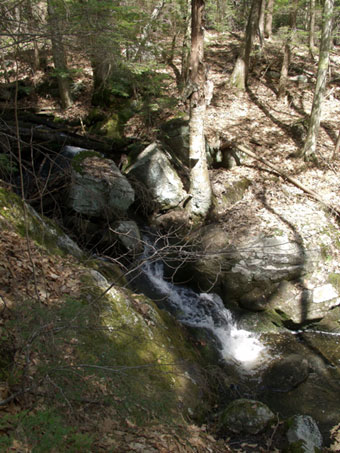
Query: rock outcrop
x=153 y=168
x=98 y=189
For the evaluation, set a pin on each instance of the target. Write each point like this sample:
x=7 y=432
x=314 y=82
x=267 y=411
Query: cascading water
x=207 y=311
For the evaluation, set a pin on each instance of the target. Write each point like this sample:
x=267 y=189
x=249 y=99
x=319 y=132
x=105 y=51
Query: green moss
x=41 y=229
x=334 y=279
x=332 y=232
x=142 y=353
x=326 y=253
x=111 y=346
x=111 y=127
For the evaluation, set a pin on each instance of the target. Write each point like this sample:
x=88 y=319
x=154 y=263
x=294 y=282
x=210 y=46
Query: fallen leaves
x=26 y=270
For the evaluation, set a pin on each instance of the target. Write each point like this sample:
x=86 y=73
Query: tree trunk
x=185 y=55
x=239 y=75
x=59 y=55
x=282 y=91
x=32 y=25
x=200 y=188
x=311 y=27
x=269 y=19
x=146 y=30
x=284 y=69
x=308 y=151
x=260 y=27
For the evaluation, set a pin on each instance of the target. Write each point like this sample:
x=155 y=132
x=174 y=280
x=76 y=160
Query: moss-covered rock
x=16 y=215
x=245 y=415
x=101 y=345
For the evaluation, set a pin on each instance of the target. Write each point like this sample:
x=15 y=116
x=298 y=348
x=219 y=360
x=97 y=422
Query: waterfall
x=207 y=311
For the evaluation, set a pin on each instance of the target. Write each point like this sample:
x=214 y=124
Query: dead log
x=46 y=135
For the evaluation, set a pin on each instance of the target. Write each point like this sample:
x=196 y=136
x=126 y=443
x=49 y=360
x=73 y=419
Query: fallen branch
x=284 y=175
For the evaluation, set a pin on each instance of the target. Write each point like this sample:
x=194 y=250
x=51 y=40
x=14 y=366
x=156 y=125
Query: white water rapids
x=207 y=311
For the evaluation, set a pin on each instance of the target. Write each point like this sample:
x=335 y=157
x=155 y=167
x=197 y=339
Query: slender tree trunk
x=337 y=147
x=146 y=30
x=200 y=188
x=220 y=11
x=282 y=91
x=59 y=55
x=31 y=29
x=269 y=19
x=239 y=75
x=185 y=55
x=311 y=27
x=308 y=151
x=261 y=21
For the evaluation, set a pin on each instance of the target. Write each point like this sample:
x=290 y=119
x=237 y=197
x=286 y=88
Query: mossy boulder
x=286 y=374
x=110 y=127
x=104 y=346
x=14 y=213
x=248 y=416
x=175 y=135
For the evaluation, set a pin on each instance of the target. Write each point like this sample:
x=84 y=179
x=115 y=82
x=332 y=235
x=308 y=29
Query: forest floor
x=266 y=125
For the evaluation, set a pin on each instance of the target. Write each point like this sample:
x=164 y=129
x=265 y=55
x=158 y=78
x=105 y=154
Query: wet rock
x=303 y=435
x=245 y=415
x=287 y=373
x=153 y=168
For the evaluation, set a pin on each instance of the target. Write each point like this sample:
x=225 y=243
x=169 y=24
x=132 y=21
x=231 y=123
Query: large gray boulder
x=152 y=167
x=98 y=189
x=247 y=271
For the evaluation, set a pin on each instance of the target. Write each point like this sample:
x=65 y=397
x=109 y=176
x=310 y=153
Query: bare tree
x=287 y=51
x=59 y=54
x=308 y=151
x=200 y=188
x=311 y=27
x=239 y=75
x=261 y=21
x=269 y=19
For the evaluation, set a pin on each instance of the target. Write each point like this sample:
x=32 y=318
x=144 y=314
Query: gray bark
x=269 y=19
x=309 y=149
x=311 y=27
x=287 y=53
x=261 y=21
x=239 y=75
x=200 y=188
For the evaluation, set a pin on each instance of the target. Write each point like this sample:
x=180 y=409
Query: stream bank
x=275 y=281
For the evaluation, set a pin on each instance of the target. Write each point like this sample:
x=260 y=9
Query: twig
x=13 y=396
x=284 y=175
